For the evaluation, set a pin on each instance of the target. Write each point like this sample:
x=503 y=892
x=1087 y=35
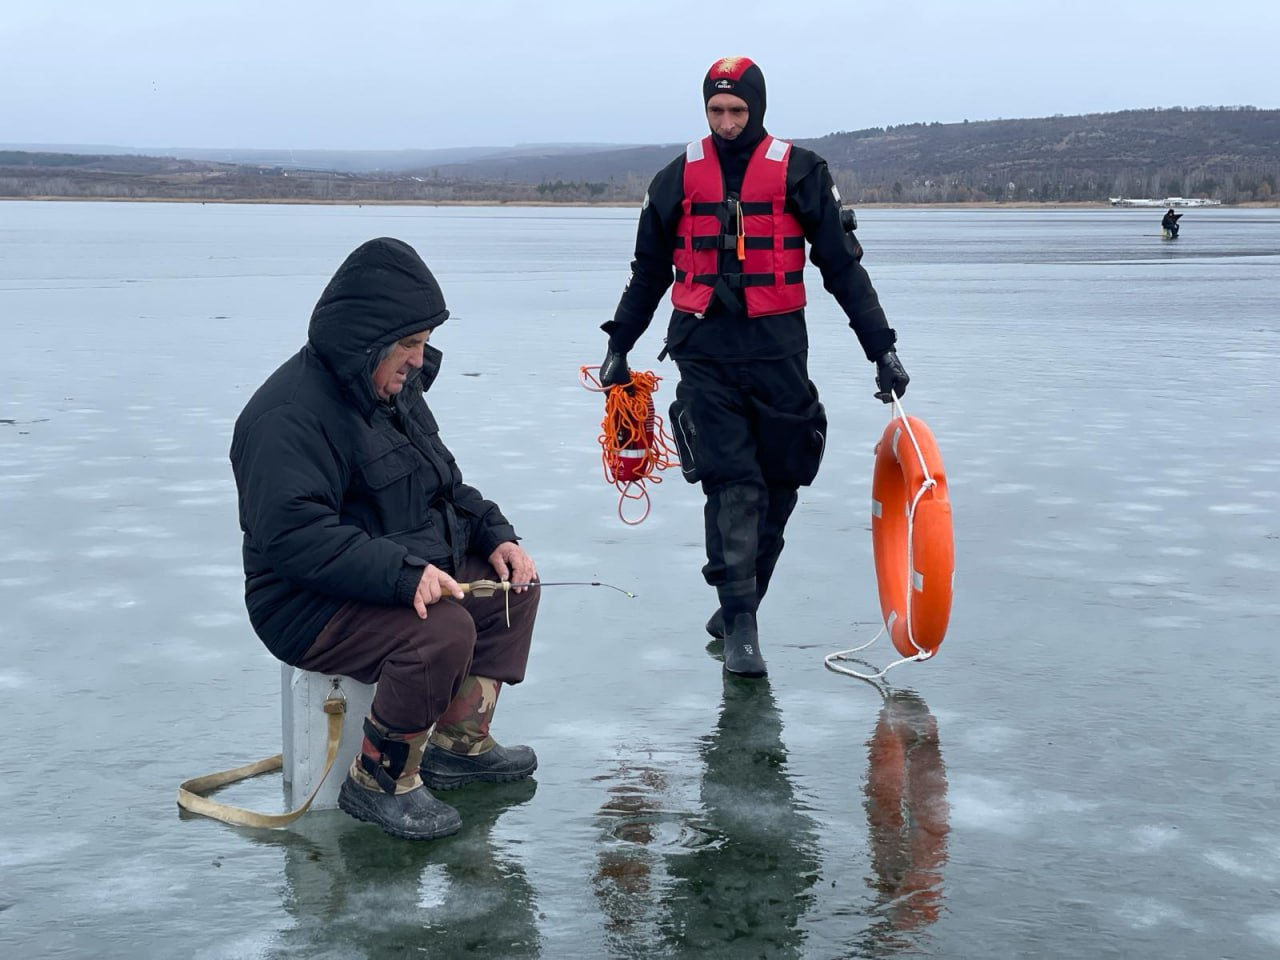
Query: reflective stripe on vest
x=772 y=274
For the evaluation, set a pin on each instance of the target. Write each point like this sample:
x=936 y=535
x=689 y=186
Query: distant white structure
x=1166 y=202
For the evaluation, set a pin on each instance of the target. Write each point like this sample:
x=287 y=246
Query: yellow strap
x=189 y=792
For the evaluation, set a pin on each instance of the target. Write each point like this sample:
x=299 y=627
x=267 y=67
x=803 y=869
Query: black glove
x=890 y=377
x=613 y=371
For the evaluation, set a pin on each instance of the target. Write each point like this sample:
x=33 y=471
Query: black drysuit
x=747 y=417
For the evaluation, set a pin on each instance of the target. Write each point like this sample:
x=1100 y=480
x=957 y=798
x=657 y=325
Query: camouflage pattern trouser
x=464 y=727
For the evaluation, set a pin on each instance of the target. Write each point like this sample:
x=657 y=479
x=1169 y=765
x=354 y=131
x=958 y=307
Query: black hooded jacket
x=344 y=496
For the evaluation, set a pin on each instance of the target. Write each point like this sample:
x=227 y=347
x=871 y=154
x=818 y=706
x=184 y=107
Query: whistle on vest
x=742 y=233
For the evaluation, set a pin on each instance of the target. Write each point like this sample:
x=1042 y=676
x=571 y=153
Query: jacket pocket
x=386 y=468
x=387 y=491
x=427 y=542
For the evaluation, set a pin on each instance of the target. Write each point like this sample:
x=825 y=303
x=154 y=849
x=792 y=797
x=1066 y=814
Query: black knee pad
x=791 y=444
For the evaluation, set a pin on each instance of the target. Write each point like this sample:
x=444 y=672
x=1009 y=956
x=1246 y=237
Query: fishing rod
x=487 y=588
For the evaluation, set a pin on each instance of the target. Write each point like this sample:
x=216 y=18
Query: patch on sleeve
x=835 y=193
x=645 y=205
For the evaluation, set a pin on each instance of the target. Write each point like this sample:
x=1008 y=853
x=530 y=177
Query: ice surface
x=1093 y=774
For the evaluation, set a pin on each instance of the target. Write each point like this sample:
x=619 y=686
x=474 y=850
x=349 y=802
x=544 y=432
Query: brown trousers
x=419 y=665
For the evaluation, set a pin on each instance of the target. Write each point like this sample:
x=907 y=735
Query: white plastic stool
x=304 y=730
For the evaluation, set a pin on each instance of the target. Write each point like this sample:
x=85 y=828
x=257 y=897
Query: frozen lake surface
x=1088 y=769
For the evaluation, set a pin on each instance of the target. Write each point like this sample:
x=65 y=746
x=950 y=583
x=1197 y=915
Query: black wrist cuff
x=876 y=343
x=407 y=582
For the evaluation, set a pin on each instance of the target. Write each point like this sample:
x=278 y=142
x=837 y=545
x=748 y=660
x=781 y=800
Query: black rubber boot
x=715 y=626
x=779 y=504
x=742 y=647
x=414 y=815
x=445 y=770
x=383 y=786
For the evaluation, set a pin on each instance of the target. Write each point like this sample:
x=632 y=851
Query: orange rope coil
x=634 y=443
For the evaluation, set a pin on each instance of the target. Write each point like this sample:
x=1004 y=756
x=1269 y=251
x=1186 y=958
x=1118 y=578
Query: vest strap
x=750 y=208
x=726 y=241
x=735 y=281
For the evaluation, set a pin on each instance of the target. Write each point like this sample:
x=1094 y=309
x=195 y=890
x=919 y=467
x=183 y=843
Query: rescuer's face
x=727 y=115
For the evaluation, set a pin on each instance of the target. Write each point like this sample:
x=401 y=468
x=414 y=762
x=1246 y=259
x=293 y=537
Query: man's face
x=390 y=375
x=727 y=115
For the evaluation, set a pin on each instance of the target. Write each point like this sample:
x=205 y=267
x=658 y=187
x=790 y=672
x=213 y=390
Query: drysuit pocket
x=686 y=437
x=790 y=445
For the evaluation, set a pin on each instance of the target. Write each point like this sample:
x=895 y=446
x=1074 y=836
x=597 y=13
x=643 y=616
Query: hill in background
x=1230 y=154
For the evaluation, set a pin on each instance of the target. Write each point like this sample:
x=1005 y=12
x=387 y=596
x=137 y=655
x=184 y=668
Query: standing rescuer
x=356 y=523
x=731 y=217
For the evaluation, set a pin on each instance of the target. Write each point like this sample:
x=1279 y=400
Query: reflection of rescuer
x=742 y=890
x=746 y=893
x=732 y=215
x=358 y=527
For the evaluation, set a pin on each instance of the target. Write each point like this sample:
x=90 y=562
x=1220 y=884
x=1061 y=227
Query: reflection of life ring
x=911 y=532
x=907 y=810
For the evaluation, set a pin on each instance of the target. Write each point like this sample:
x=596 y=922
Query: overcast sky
x=398 y=74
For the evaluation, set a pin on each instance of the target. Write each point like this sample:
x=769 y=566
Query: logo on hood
x=724 y=84
x=727 y=65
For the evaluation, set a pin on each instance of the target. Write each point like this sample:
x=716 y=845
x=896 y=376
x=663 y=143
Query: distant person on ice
x=1170 y=222
x=732 y=215
x=358 y=528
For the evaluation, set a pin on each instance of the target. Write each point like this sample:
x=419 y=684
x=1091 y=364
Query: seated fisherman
x=358 y=530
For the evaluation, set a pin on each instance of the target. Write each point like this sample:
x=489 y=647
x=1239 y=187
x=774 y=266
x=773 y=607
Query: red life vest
x=768 y=241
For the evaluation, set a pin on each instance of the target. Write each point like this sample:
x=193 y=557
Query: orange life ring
x=896 y=486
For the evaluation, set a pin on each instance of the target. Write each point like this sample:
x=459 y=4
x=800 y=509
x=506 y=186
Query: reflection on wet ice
x=736 y=874
x=907 y=814
x=348 y=883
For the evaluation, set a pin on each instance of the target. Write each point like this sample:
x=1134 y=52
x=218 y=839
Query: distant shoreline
x=307 y=202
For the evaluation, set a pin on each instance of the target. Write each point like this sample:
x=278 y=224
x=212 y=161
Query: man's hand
x=613 y=371
x=890 y=377
x=512 y=563
x=435 y=583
